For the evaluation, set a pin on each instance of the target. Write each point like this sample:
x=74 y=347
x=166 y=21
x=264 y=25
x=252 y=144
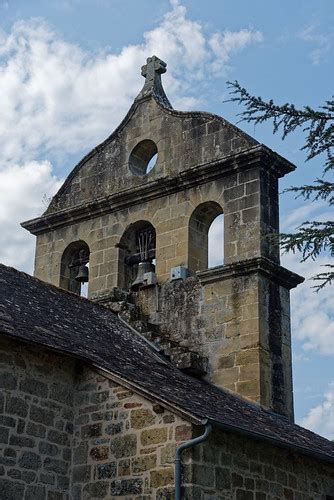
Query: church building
x=172 y=379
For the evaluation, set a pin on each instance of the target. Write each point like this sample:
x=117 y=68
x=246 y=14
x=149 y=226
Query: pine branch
x=321 y=190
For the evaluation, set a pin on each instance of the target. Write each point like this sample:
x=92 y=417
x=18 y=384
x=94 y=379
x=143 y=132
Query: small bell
x=143 y=267
x=82 y=275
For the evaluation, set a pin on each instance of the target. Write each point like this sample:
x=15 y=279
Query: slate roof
x=39 y=313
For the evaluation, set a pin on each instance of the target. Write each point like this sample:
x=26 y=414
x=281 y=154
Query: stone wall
x=67 y=432
x=231 y=467
x=124 y=446
x=36 y=423
x=240 y=323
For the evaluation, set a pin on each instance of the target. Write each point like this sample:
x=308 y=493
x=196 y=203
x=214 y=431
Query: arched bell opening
x=137 y=256
x=206 y=237
x=74 y=269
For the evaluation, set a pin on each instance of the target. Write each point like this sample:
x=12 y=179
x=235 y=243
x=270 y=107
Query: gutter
x=178 y=462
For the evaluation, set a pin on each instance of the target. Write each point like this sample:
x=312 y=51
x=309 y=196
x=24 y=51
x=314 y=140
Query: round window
x=143 y=157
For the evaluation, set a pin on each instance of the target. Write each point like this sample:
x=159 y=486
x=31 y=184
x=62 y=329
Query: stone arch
x=75 y=254
x=130 y=251
x=198 y=237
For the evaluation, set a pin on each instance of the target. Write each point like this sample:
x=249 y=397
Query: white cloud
x=322 y=43
x=23 y=190
x=224 y=45
x=320 y=419
x=57 y=99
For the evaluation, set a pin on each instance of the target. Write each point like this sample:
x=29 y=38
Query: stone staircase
x=123 y=304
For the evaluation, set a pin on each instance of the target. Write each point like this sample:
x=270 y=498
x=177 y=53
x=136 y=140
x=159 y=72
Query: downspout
x=178 y=462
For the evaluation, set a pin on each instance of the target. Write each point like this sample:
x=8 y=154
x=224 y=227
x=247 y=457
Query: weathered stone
x=124 y=446
x=30 y=460
x=4 y=435
x=91 y=431
x=8 y=380
x=46 y=448
x=168 y=453
x=144 y=463
x=106 y=471
x=11 y=490
x=55 y=465
x=41 y=415
x=16 y=406
x=34 y=386
x=21 y=441
x=61 y=393
x=161 y=477
x=80 y=453
x=36 y=430
x=99 y=452
x=81 y=473
x=153 y=436
x=126 y=487
x=142 y=418
x=96 y=490
x=113 y=429
x=35 y=492
x=56 y=437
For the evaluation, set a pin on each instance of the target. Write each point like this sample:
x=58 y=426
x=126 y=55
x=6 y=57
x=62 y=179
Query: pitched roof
x=36 y=312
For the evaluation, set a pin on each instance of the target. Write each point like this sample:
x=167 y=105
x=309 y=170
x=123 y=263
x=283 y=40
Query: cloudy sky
x=69 y=70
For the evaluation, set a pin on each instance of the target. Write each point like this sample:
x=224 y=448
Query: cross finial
x=152 y=71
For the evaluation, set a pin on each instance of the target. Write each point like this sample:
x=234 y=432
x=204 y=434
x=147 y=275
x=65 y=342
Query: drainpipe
x=178 y=463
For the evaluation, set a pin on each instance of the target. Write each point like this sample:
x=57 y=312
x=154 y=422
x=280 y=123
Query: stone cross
x=152 y=71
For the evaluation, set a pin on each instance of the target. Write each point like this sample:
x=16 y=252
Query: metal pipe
x=178 y=462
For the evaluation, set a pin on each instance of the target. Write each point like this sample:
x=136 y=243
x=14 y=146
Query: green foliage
x=311 y=238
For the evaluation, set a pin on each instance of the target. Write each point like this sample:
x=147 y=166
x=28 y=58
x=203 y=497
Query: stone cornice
x=258 y=265
x=257 y=156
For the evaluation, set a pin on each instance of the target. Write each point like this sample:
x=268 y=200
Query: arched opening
x=74 y=268
x=206 y=242
x=143 y=157
x=216 y=242
x=136 y=253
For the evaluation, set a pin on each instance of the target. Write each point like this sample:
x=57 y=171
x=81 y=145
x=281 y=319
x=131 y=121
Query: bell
x=82 y=275
x=143 y=267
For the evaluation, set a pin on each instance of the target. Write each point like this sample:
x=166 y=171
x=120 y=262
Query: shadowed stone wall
x=69 y=433
x=230 y=467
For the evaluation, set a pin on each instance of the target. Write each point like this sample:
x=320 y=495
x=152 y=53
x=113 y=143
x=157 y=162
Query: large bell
x=82 y=275
x=143 y=267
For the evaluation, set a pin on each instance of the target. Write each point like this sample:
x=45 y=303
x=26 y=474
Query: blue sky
x=69 y=70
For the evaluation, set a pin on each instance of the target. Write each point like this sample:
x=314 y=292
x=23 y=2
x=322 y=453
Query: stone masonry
x=236 y=316
x=70 y=432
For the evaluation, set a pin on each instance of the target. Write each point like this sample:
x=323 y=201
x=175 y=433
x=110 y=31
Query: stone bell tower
x=143 y=232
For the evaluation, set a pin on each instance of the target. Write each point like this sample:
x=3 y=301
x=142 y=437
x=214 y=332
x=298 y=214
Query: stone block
x=142 y=418
x=11 y=490
x=142 y=464
x=4 y=435
x=97 y=453
x=46 y=448
x=81 y=473
x=21 y=441
x=125 y=487
x=42 y=415
x=36 y=430
x=34 y=386
x=35 y=492
x=161 y=477
x=30 y=460
x=61 y=393
x=153 y=436
x=106 y=471
x=16 y=406
x=61 y=438
x=91 y=431
x=167 y=454
x=8 y=381
x=124 y=446
x=55 y=465
x=96 y=490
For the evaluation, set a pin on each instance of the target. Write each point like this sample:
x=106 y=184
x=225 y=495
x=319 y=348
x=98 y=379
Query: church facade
x=174 y=379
